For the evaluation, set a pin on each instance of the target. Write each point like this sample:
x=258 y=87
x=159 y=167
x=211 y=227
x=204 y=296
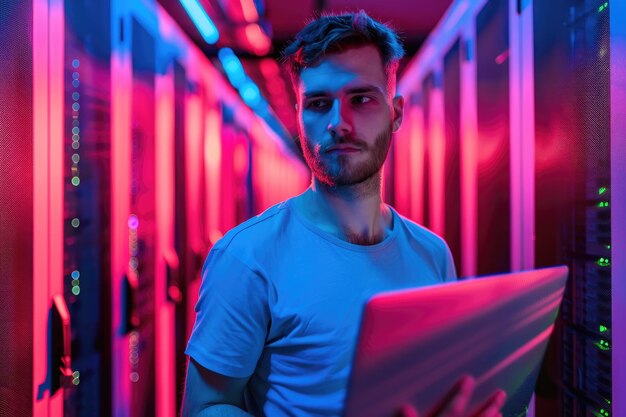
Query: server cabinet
x=87 y=204
x=573 y=199
x=452 y=149
x=493 y=149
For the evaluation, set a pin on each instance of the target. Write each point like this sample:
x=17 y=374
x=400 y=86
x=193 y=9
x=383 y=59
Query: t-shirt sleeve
x=449 y=268
x=232 y=317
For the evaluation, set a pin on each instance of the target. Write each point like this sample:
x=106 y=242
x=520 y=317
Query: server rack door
x=573 y=200
x=17 y=156
x=452 y=104
x=142 y=223
x=87 y=204
x=493 y=176
x=177 y=284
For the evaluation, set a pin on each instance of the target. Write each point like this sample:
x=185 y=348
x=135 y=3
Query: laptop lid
x=415 y=344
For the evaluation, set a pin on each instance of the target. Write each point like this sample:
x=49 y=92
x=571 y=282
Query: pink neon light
x=402 y=172
x=120 y=205
x=193 y=147
x=249 y=11
x=416 y=150
x=56 y=175
x=164 y=176
x=212 y=160
x=469 y=150
x=40 y=205
x=258 y=40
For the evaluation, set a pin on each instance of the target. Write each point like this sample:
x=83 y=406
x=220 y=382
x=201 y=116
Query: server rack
x=573 y=194
x=86 y=239
x=86 y=215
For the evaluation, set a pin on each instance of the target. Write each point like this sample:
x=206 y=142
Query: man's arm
x=211 y=394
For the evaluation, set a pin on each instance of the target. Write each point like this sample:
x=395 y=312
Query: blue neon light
x=202 y=20
x=234 y=70
x=250 y=94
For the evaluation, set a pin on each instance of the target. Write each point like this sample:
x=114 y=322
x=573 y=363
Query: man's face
x=346 y=116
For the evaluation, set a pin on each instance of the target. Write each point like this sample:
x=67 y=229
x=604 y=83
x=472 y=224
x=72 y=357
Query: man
x=282 y=294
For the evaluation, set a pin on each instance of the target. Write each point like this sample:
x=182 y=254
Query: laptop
x=415 y=344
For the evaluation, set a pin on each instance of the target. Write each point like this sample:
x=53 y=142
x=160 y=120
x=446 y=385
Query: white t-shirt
x=281 y=301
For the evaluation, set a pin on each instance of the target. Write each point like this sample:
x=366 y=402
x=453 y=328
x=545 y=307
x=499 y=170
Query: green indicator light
x=603 y=329
x=603 y=204
x=76 y=381
x=604 y=262
x=76 y=374
x=602 y=7
x=75 y=282
x=601 y=190
x=608 y=246
x=75 y=290
x=75 y=181
x=603 y=345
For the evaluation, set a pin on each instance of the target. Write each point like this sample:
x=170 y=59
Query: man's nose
x=340 y=122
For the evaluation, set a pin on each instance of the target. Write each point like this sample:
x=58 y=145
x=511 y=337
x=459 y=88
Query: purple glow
x=133 y=222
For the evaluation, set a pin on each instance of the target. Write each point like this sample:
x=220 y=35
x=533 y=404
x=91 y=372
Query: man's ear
x=398 y=112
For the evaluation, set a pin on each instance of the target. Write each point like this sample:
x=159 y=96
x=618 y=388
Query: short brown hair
x=337 y=32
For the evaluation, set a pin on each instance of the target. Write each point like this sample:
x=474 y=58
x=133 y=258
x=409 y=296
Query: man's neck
x=353 y=213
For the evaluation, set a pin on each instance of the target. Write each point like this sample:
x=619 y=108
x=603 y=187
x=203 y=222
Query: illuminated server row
x=125 y=155
x=513 y=150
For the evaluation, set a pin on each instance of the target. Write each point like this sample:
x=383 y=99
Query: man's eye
x=317 y=104
x=361 y=99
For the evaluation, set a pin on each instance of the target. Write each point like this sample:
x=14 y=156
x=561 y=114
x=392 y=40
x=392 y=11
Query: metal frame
x=618 y=203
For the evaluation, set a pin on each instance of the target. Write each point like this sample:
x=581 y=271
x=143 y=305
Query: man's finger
x=455 y=402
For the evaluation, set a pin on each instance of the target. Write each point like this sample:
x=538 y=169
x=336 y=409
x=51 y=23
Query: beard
x=338 y=170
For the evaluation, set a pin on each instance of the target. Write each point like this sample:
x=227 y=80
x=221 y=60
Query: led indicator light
x=603 y=329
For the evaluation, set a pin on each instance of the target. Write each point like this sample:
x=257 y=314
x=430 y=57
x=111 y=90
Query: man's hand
x=455 y=403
